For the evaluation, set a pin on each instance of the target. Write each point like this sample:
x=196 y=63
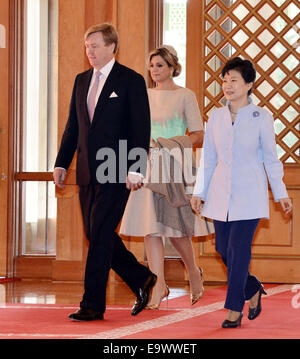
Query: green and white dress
x=172 y=113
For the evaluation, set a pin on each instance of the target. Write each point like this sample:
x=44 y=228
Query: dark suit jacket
x=125 y=117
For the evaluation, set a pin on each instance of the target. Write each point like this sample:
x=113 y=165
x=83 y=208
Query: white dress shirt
x=232 y=176
x=105 y=71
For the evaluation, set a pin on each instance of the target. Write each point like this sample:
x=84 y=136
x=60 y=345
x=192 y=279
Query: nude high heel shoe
x=165 y=295
x=196 y=297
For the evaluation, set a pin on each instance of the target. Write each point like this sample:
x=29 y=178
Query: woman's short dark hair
x=244 y=67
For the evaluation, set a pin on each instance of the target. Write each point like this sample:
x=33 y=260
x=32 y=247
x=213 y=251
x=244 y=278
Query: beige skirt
x=139 y=219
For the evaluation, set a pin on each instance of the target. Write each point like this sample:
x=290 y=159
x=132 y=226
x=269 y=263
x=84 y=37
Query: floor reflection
x=48 y=292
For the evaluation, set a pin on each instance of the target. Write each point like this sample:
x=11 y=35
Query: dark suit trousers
x=233 y=242
x=102 y=209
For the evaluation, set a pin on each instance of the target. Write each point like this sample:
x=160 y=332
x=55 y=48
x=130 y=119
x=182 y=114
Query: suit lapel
x=84 y=88
x=106 y=91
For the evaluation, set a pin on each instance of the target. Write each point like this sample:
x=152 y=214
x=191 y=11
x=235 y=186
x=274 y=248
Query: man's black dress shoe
x=85 y=314
x=255 y=312
x=233 y=324
x=143 y=294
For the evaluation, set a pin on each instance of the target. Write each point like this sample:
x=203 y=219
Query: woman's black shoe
x=254 y=312
x=230 y=324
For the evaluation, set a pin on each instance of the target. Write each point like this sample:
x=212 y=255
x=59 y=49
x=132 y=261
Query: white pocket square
x=113 y=94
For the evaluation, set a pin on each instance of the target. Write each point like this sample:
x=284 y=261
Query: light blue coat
x=236 y=158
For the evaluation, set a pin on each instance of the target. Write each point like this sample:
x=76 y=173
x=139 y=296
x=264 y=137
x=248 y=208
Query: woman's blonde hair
x=109 y=32
x=169 y=54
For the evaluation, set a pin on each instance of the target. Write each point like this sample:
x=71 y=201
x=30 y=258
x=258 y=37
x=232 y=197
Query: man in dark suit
x=109 y=107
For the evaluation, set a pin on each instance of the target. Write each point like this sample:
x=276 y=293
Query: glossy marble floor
x=48 y=292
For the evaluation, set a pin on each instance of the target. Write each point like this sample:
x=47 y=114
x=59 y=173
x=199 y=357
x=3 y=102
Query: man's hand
x=134 y=181
x=59 y=176
x=286 y=204
x=196 y=204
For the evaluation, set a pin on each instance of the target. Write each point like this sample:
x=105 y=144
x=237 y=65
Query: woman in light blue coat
x=232 y=188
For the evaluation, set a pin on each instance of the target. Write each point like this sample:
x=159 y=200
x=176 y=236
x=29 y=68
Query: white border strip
x=155 y=323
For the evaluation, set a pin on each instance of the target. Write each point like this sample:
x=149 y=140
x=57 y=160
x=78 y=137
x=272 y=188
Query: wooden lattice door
x=266 y=32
